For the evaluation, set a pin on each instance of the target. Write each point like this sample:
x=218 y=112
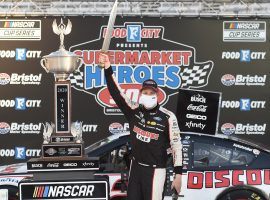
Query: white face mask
x=148 y=101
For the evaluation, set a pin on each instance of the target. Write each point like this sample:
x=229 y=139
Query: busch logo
x=171 y=69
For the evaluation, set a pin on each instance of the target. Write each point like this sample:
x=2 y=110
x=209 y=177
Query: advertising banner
x=198 y=111
x=228 y=56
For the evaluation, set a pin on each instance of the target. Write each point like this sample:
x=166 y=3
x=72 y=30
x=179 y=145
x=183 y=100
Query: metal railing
x=186 y=8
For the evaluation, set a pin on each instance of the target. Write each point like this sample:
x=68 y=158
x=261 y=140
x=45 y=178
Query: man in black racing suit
x=153 y=130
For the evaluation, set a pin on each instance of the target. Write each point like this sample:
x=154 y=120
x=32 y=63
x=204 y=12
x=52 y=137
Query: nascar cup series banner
x=223 y=56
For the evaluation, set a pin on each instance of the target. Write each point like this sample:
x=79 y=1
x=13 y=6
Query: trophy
x=62 y=147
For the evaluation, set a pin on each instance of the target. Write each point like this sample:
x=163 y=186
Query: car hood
x=18 y=168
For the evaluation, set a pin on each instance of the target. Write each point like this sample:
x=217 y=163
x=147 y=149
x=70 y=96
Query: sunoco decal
x=173 y=68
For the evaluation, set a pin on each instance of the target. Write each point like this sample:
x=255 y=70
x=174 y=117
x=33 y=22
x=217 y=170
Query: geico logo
x=25 y=78
x=89 y=128
x=224 y=179
x=237 y=55
x=28 y=152
x=70 y=164
x=19 y=53
x=20 y=103
x=193 y=116
x=244 y=103
x=25 y=127
x=250 y=128
x=69 y=190
x=250 y=79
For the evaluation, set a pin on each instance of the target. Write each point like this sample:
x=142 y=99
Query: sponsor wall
x=227 y=56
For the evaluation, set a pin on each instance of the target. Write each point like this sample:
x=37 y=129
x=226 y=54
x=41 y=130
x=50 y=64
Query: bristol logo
x=139 y=52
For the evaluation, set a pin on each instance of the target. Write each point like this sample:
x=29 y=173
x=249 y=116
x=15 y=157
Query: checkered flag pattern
x=197 y=76
x=76 y=79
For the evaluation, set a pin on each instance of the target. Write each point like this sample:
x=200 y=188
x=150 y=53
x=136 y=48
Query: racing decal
x=139 y=52
x=145 y=136
x=227 y=178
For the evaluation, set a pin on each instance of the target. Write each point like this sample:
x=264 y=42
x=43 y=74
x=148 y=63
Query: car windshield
x=98 y=144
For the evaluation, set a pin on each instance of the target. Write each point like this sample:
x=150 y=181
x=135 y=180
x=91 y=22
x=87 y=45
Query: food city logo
x=14 y=29
x=20 y=79
x=243 y=129
x=243 y=80
x=245 y=104
x=200 y=119
x=20 y=128
x=244 y=31
x=20 y=153
x=20 y=103
x=118 y=128
x=244 y=55
x=20 y=54
x=136 y=59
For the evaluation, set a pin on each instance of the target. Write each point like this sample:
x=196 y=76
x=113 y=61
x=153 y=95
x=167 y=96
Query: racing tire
x=243 y=193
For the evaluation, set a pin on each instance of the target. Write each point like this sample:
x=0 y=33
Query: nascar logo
x=63 y=191
x=73 y=190
x=239 y=25
x=19 y=24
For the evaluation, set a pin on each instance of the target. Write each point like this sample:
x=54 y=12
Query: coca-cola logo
x=199 y=108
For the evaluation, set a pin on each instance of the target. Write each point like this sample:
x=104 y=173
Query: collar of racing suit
x=151 y=111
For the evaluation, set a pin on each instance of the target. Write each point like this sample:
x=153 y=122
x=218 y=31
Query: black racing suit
x=152 y=133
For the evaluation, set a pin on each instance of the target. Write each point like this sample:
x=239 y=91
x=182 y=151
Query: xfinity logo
x=192 y=124
x=20 y=54
x=20 y=103
x=88 y=164
x=243 y=55
x=244 y=104
x=243 y=80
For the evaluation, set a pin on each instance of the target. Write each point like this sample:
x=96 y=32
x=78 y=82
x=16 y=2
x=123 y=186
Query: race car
x=214 y=168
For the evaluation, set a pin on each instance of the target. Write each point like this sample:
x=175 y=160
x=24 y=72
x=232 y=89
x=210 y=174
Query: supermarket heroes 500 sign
x=139 y=52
